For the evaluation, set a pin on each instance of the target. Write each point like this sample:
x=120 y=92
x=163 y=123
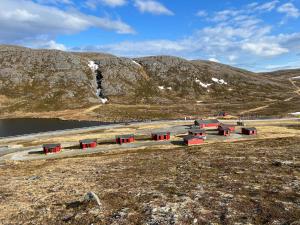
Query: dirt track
x=105 y=134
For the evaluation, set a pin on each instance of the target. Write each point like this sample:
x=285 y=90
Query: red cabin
x=230 y=126
x=51 y=148
x=249 y=131
x=225 y=131
x=197 y=132
x=125 y=139
x=159 y=136
x=193 y=140
x=207 y=123
x=88 y=143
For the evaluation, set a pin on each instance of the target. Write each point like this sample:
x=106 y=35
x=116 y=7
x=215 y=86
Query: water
x=13 y=127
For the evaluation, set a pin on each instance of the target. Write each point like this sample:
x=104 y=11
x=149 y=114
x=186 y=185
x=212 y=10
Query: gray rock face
x=45 y=78
x=39 y=80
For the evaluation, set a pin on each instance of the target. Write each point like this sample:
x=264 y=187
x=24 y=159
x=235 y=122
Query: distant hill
x=47 y=80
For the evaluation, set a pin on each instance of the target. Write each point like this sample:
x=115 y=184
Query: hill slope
x=50 y=80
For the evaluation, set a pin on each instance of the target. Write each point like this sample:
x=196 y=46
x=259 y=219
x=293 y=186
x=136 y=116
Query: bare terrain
x=54 y=84
x=226 y=181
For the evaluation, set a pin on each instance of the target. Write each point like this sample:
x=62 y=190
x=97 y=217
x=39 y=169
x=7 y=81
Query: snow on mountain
x=219 y=81
x=93 y=66
x=202 y=84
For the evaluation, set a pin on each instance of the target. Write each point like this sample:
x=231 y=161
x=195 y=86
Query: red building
x=88 y=143
x=121 y=139
x=230 y=126
x=196 y=132
x=193 y=140
x=160 y=136
x=225 y=131
x=207 y=123
x=249 y=131
x=51 y=148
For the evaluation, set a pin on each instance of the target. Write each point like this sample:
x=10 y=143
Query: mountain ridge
x=37 y=80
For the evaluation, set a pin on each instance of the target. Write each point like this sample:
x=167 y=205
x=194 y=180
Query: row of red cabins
x=195 y=136
x=92 y=143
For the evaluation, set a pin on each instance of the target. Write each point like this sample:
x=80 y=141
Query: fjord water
x=13 y=127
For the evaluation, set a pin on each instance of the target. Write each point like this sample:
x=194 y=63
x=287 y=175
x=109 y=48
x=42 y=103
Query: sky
x=254 y=35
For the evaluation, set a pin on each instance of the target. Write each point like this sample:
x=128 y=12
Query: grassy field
x=249 y=182
x=254 y=181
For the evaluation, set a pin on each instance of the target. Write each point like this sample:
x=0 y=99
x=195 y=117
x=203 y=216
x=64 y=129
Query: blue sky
x=255 y=35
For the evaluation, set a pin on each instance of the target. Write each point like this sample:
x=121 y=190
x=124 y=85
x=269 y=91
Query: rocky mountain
x=48 y=80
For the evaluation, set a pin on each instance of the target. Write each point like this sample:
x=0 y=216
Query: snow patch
x=219 y=81
x=163 y=88
x=93 y=66
x=103 y=100
x=202 y=84
x=298 y=77
x=136 y=63
x=295 y=114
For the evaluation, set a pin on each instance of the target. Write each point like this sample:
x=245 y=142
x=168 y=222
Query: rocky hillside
x=46 y=80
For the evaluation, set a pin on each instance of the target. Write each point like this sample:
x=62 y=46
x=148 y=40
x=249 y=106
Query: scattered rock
x=33 y=178
x=91 y=196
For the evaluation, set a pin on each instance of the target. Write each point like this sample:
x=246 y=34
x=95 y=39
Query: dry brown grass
x=220 y=183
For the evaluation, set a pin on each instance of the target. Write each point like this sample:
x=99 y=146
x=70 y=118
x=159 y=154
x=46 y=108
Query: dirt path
x=92 y=108
x=256 y=109
x=177 y=130
x=297 y=91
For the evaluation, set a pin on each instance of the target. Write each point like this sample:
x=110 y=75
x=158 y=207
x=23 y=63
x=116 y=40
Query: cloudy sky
x=256 y=35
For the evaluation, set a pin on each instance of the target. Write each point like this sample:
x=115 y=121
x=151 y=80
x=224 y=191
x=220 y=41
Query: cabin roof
x=161 y=133
x=88 y=141
x=197 y=131
x=227 y=125
x=51 y=145
x=191 y=137
x=125 y=136
x=224 y=128
x=249 y=128
x=207 y=121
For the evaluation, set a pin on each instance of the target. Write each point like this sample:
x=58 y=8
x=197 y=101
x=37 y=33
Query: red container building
x=193 y=140
x=51 y=148
x=207 y=123
x=249 y=131
x=231 y=127
x=159 y=136
x=88 y=143
x=121 y=139
x=197 y=132
x=225 y=131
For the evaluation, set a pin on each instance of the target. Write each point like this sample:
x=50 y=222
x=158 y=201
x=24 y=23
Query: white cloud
x=22 y=20
x=153 y=7
x=55 y=2
x=142 y=48
x=268 y=6
x=289 y=9
x=54 y=45
x=232 y=58
x=264 y=48
x=213 y=60
x=243 y=40
x=112 y=3
x=201 y=13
